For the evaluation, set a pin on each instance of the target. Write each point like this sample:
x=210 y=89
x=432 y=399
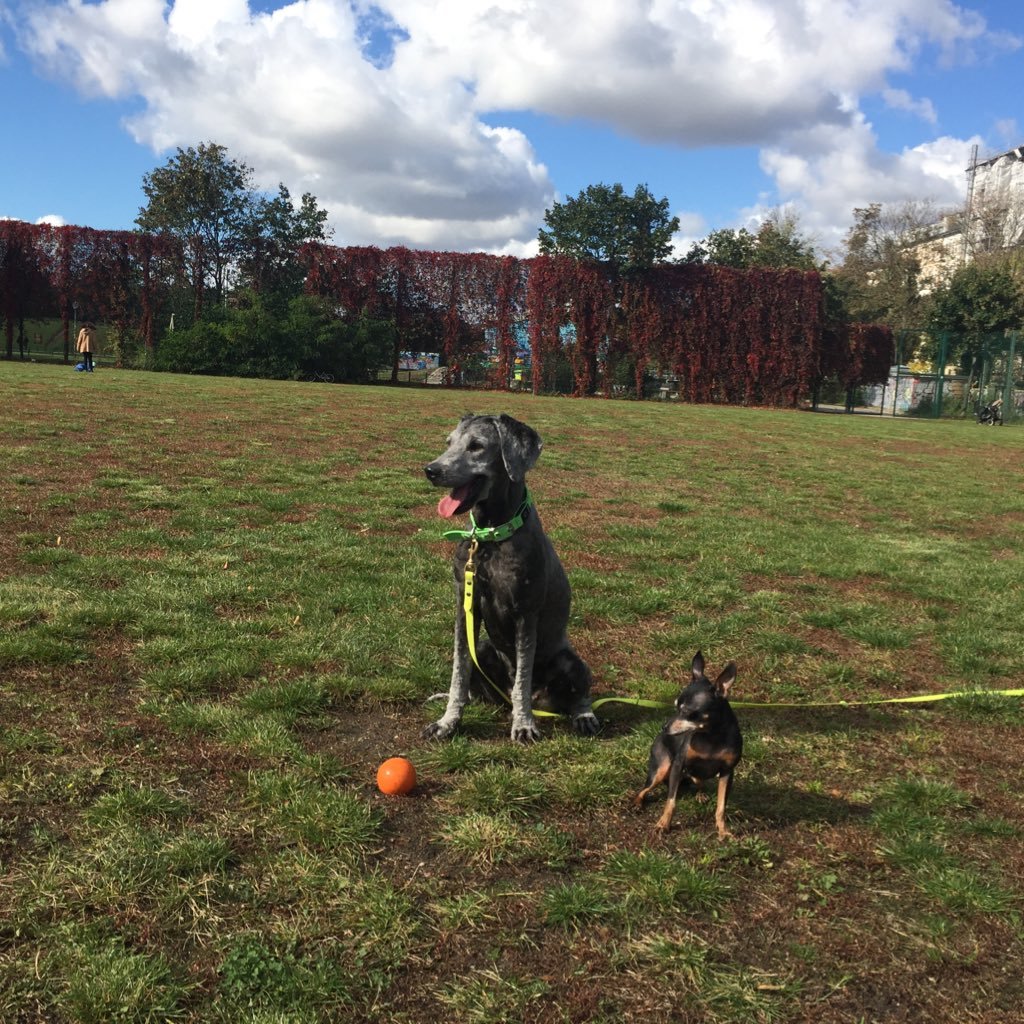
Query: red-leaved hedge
x=714 y=333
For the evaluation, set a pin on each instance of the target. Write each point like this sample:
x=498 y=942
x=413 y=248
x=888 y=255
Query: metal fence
x=942 y=374
x=935 y=374
x=42 y=341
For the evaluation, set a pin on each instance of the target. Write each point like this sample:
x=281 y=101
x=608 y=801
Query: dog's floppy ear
x=520 y=446
x=723 y=684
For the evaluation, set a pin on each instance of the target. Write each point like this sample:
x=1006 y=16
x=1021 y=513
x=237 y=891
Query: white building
x=995 y=202
x=993 y=213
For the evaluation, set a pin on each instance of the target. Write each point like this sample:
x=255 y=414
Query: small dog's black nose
x=432 y=472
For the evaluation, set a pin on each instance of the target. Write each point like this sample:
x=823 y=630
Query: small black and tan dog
x=701 y=741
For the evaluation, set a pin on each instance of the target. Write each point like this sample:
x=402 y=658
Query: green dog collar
x=492 y=534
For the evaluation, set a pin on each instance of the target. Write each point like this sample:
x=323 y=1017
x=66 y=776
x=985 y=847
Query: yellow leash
x=468 y=594
x=923 y=698
x=467 y=607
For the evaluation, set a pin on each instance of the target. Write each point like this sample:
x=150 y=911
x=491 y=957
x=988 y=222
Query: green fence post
x=900 y=340
x=1009 y=410
x=985 y=377
x=940 y=372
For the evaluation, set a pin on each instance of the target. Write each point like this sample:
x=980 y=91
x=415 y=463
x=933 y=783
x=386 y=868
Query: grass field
x=224 y=602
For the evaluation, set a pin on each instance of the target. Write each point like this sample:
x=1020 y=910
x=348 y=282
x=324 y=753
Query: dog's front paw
x=525 y=731
x=440 y=730
x=665 y=821
x=586 y=724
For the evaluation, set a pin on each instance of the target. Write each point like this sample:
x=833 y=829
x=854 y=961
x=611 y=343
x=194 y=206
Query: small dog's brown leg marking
x=666 y=815
x=724 y=784
x=659 y=777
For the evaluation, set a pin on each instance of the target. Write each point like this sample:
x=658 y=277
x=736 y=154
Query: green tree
x=230 y=232
x=259 y=335
x=878 y=276
x=603 y=223
x=777 y=244
x=352 y=350
x=270 y=239
x=980 y=299
x=725 y=247
x=205 y=199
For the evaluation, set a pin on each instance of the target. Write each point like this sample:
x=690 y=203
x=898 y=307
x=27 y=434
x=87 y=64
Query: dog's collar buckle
x=493 y=534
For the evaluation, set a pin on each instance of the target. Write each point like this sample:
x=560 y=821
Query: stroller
x=991 y=414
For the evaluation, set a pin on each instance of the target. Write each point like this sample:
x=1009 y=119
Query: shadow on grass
x=824 y=721
x=767 y=806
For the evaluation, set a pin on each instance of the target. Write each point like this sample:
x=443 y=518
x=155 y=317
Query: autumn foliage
x=858 y=354
x=119 y=277
x=714 y=334
x=717 y=334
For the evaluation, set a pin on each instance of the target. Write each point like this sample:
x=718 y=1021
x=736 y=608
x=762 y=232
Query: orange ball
x=396 y=776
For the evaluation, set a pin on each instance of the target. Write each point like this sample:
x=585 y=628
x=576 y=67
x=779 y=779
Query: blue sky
x=451 y=124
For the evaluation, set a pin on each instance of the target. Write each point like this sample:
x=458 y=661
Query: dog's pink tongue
x=450 y=503
x=446 y=506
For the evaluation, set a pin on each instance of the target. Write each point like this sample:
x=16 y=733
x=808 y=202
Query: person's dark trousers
x=87 y=359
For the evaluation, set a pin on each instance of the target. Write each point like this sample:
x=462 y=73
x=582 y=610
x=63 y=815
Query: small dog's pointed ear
x=697 y=667
x=723 y=684
x=520 y=446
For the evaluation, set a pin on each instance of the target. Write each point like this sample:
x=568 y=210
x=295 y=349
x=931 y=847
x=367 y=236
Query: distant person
x=86 y=344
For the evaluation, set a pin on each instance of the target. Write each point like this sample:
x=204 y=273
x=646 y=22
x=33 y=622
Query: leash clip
x=473 y=545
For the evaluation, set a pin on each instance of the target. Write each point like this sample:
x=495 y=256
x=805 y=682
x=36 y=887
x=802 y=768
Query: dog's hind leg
x=491 y=678
x=568 y=680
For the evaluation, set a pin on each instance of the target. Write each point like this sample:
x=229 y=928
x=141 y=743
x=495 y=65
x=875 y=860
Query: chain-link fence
x=940 y=373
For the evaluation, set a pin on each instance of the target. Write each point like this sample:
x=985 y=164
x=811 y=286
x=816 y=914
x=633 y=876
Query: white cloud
x=394 y=160
x=900 y=99
x=691 y=223
x=387 y=111
x=825 y=172
x=201 y=23
x=53 y=219
x=692 y=228
x=691 y=72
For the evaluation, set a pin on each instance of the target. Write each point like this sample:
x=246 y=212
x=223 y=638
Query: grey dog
x=523 y=594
